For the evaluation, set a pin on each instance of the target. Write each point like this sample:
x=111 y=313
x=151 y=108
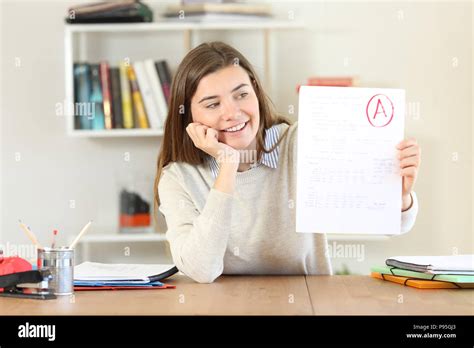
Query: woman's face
x=226 y=101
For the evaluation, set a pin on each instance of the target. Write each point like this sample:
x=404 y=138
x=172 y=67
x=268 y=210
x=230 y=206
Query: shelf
x=159 y=26
x=77 y=34
x=116 y=133
x=111 y=237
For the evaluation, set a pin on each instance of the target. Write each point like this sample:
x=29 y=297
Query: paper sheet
x=348 y=175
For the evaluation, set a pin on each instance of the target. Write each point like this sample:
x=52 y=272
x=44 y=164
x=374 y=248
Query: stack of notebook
x=102 y=276
x=428 y=272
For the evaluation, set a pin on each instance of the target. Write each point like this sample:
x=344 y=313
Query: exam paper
x=348 y=175
x=88 y=271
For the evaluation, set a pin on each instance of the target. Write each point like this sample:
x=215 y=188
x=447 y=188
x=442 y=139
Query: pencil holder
x=60 y=261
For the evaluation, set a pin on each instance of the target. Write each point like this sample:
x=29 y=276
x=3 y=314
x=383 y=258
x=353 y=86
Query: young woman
x=226 y=175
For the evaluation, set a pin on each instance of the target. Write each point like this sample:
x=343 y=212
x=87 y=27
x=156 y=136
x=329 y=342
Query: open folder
x=421 y=283
x=93 y=275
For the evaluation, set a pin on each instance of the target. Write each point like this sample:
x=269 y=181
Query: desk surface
x=257 y=295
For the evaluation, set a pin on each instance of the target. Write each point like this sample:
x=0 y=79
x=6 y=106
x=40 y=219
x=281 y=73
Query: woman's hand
x=409 y=153
x=206 y=139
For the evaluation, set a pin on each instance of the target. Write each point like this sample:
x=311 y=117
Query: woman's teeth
x=236 y=128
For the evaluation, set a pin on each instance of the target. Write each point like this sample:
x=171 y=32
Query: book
x=127 y=112
x=106 y=94
x=331 y=81
x=229 y=8
x=147 y=95
x=82 y=106
x=218 y=17
x=344 y=81
x=99 y=7
x=116 y=97
x=157 y=91
x=164 y=75
x=96 y=98
x=451 y=264
x=139 y=108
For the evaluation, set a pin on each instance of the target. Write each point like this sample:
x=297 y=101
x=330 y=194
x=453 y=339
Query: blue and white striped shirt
x=268 y=159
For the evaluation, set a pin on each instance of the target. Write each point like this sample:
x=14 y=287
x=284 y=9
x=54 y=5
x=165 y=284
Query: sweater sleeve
x=198 y=241
x=409 y=216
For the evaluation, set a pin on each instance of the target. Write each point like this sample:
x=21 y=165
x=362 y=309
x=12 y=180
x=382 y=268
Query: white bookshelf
x=79 y=32
x=118 y=238
x=75 y=48
x=111 y=133
x=176 y=25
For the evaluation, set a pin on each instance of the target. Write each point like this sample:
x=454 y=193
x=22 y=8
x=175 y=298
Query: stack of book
x=199 y=11
x=428 y=272
x=129 y=96
x=335 y=81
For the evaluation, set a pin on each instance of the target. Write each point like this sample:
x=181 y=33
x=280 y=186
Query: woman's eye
x=242 y=95
x=212 y=106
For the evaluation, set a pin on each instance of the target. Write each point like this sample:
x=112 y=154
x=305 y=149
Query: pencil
x=30 y=235
x=53 y=244
x=79 y=236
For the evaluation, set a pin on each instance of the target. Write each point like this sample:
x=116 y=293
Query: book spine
x=126 y=97
x=157 y=91
x=147 y=95
x=165 y=78
x=137 y=99
x=82 y=79
x=96 y=98
x=331 y=81
x=77 y=123
x=116 y=97
x=105 y=80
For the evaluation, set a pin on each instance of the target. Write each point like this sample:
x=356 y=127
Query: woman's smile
x=237 y=130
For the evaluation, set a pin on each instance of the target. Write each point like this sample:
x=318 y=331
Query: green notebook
x=454 y=278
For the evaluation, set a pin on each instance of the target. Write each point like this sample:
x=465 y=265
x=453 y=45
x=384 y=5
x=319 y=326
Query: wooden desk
x=253 y=295
x=363 y=295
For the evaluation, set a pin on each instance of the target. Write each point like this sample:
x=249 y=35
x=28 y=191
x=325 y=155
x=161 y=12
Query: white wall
x=409 y=45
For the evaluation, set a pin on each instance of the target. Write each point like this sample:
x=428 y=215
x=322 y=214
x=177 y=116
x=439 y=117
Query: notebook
x=454 y=264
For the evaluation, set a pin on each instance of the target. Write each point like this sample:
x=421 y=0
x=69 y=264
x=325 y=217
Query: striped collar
x=268 y=159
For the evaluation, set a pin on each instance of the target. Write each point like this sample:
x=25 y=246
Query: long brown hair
x=176 y=145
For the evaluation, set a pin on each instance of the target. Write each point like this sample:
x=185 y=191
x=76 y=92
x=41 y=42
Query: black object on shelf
x=131 y=203
x=129 y=11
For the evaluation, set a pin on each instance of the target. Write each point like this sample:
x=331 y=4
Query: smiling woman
x=226 y=175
